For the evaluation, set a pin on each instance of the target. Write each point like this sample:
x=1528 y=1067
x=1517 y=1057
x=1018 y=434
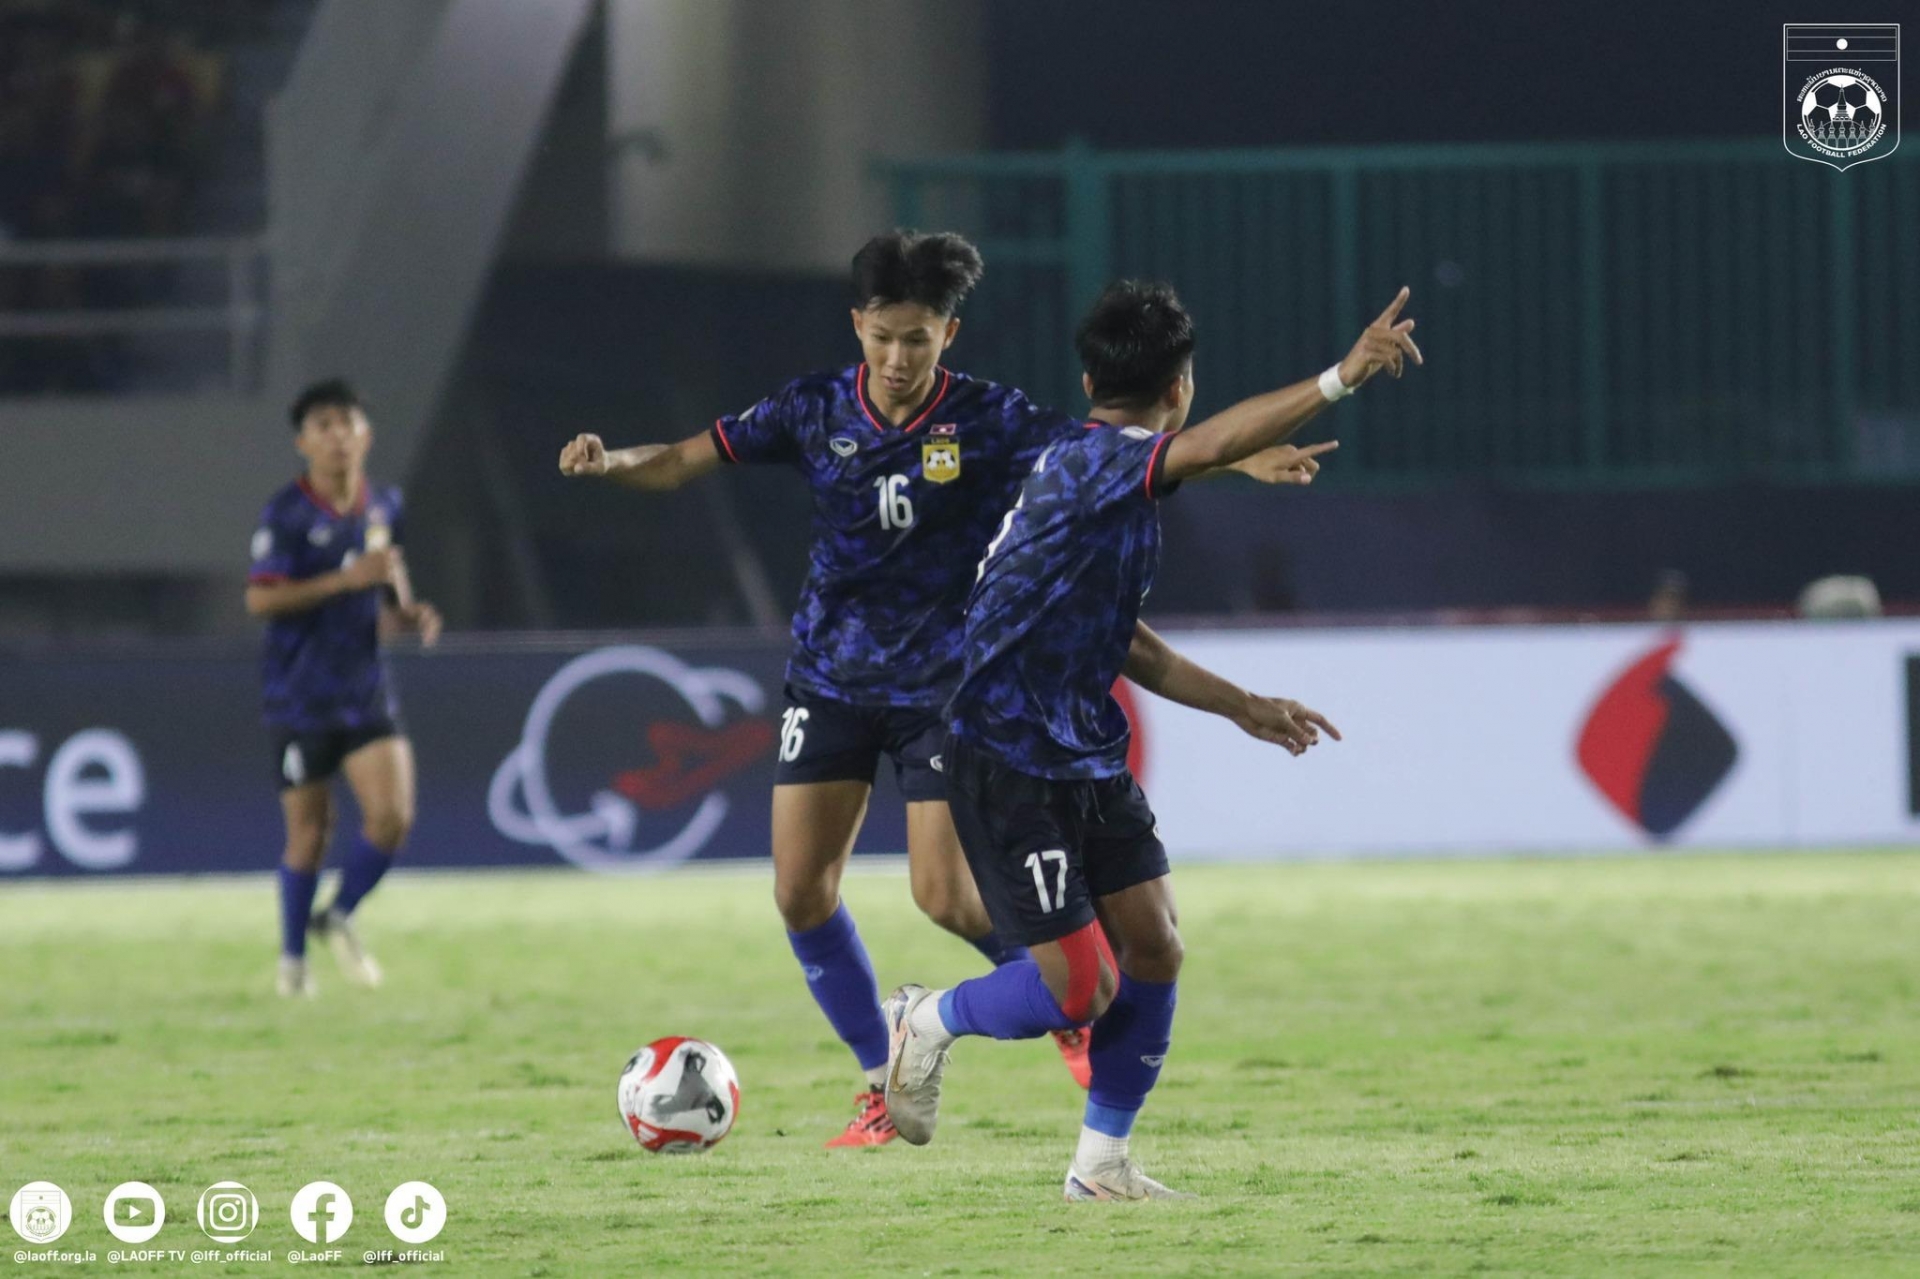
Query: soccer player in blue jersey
x=910 y=466
x=1058 y=833
x=328 y=575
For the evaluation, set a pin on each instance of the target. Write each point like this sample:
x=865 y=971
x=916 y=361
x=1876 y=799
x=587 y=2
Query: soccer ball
x=679 y=1096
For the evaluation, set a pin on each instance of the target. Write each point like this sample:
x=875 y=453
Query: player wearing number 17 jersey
x=1057 y=831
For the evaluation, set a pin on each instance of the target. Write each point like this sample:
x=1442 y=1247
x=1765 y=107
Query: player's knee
x=804 y=904
x=387 y=831
x=306 y=844
x=1157 y=957
x=951 y=907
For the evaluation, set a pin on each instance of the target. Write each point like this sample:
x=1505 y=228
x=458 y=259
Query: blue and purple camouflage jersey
x=900 y=515
x=322 y=668
x=1053 y=614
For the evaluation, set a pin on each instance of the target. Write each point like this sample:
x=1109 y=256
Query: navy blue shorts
x=824 y=740
x=303 y=757
x=1043 y=851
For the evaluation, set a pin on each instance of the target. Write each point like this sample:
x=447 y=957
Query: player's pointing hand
x=1386 y=344
x=584 y=455
x=1286 y=464
x=1284 y=723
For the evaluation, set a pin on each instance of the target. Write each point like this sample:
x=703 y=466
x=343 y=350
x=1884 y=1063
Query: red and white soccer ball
x=679 y=1096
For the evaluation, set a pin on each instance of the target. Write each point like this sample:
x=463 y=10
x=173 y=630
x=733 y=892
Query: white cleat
x=1123 y=1180
x=293 y=980
x=356 y=964
x=914 y=1067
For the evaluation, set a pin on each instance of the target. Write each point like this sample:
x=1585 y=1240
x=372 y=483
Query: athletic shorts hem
x=824 y=739
x=302 y=758
x=1043 y=852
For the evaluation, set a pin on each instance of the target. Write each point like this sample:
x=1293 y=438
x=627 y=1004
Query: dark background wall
x=1259 y=73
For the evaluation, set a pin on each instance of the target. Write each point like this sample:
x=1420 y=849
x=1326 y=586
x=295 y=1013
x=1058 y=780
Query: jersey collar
x=359 y=506
x=879 y=419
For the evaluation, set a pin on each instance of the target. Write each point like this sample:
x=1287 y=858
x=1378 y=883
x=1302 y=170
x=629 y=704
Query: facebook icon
x=322 y=1212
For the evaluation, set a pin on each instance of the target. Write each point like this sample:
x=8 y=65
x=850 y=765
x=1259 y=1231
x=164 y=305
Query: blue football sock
x=1011 y=1002
x=296 y=904
x=998 y=953
x=360 y=870
x=1130 y=1042
x=841 y=978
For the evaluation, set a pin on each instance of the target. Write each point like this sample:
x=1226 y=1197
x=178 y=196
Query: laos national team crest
x=1840 y=91
x=940 y=455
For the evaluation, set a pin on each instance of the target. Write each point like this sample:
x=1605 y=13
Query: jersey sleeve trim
x=1156 y=482
x=719 y=434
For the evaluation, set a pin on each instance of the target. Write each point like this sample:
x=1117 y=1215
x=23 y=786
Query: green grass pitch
x=1648 y=1066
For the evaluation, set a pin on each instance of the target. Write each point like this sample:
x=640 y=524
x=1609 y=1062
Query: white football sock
x=877 y=1077
x=1097 y=1151
x=926 y=1022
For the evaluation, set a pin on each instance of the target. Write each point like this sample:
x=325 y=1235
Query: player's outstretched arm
x=650 y=467
x=276 y=599
x=1155 y=666
x=1266 y=420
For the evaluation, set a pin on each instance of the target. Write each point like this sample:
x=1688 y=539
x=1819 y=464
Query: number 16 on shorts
x=1049 y=864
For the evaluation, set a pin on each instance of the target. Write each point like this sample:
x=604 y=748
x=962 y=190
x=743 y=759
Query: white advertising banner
x=1543 y=739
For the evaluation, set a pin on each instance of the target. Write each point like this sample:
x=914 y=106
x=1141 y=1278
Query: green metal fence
x=1644 y=314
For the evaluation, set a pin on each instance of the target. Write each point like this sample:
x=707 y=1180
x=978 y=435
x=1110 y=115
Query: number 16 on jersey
x=896 y=507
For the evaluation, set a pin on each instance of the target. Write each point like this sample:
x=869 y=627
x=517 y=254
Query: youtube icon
x=135 y=1212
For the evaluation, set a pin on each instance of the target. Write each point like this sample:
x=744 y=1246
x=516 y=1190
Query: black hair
x=936 y=270
x=1134 y=343
x=335 y=392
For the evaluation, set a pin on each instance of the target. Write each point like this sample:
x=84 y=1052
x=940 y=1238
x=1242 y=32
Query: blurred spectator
x=1840 y=597
x=133 y=181
x=1668 y=603
x=39 y=134
x=102 y=111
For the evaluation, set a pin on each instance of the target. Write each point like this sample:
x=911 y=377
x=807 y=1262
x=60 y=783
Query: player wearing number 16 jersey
x=910 y=466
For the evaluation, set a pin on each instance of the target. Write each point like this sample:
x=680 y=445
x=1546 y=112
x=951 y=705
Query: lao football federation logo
x=1653 y=748
x=940 y=461
x=1840 y=91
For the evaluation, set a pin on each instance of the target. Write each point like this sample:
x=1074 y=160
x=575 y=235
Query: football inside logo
x=1653 y=748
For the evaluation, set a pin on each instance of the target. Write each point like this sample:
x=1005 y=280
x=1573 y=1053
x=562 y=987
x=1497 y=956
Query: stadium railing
x=234 y=268
x=1593 y=315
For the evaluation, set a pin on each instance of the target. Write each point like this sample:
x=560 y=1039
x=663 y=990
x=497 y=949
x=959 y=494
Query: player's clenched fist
x=584 y=455
x=373 y=568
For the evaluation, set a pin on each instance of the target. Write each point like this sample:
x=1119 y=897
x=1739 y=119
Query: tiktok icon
x=416 y=1212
